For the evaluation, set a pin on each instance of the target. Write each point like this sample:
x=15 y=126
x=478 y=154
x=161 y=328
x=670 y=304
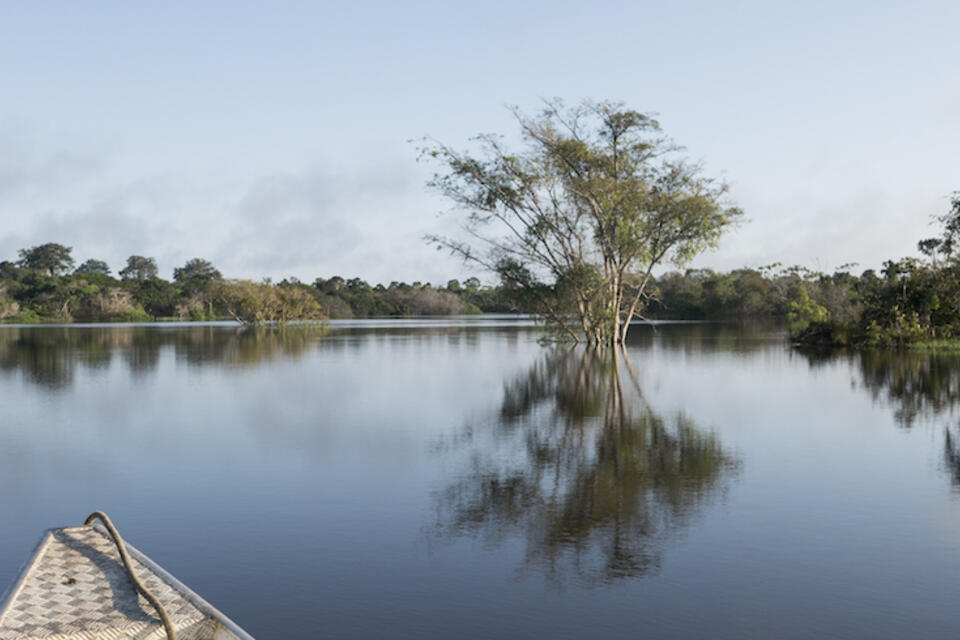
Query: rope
x=128 y=565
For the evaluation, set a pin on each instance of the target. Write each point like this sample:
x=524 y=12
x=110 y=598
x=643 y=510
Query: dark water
x=428 y=479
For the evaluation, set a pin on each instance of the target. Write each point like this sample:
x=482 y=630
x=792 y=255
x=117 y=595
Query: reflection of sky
x=301 y=487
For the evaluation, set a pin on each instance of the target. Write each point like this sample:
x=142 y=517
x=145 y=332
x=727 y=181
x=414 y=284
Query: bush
x=137 y=314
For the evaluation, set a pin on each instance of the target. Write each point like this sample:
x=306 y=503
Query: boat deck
x=75 y=588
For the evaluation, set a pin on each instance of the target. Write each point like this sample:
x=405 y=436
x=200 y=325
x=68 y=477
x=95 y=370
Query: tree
x=802 y=311
x=94 y=266
x=8 y=270
x=139 y=268
x=579 y=219
x=158 y=297
x=50 y=258
x=258 y=303
x=947 y=243
x=196 y=270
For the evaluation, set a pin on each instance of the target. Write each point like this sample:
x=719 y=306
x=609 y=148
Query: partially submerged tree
x=259 y=303
x=578 y=220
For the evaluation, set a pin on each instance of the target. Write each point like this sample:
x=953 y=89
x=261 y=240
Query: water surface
x=456 y=478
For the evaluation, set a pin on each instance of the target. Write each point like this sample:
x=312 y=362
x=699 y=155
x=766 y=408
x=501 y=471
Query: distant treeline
x=910 y=300
x=915 y=300
x=45 y=286
x=766 y=292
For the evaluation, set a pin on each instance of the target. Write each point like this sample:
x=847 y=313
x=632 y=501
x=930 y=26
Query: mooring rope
x=128 y=565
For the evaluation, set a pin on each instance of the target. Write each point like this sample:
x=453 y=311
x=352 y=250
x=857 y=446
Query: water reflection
x=741 y=339
x=50 y=356
x=920 y=387
x=918 y=384
x=581 y=468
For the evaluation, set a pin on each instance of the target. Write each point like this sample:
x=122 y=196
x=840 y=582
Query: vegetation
x=38 y=288
x=259 y=303
x=914 y=300
x=579 y=219
x=50 y=259
x=911 y=302
x=793 y=293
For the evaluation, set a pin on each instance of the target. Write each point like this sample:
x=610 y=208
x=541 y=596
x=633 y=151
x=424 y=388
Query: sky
x=274 y=139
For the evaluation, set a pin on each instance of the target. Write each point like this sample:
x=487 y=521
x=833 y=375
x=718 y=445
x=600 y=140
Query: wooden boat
x=85 y=583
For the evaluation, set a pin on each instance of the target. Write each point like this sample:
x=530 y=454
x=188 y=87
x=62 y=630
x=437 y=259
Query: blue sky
x=273 y=139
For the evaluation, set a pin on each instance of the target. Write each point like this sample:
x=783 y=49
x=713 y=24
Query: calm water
x=454 y=478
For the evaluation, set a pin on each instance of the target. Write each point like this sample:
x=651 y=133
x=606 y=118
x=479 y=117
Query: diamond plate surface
x=78 y=588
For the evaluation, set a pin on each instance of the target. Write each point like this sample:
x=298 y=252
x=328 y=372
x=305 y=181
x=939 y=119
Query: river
x=456 y=477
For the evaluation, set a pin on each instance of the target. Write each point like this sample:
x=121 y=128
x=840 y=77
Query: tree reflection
x=951 y=457
x=585 y=471
x=920 y=386
x=51 y=356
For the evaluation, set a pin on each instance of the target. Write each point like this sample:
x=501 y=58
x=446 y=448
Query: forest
x=45 y=286
x=913 y=300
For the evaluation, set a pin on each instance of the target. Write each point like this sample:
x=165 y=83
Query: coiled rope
x=128 y=565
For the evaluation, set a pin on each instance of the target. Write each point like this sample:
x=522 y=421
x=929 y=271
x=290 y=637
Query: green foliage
x=196 y=271
x=581 y=217
x=915 y=301
x=755 y=293
x=260 y=303
x=802 y=311
x=945 y=344
x=91 y=267
x=139 y=268
x=27 y=316
x=355 y=298
x=50 y=258
x=91 y=294
x=946 y=244
x=158 y=297
x=136 y=314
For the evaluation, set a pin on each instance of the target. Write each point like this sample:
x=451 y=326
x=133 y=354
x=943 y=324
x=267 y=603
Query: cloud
x=287 y=223
x=363 y=220
x=368 y=219
x=868 y=226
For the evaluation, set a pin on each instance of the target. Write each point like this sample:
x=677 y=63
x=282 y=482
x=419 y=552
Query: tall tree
x=946 y=244
x=50 y=258
x=139 y=268
x=94 y=266
x=196 y=270
x=579 y=219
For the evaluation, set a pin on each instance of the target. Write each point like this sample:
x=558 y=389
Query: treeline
x=766 y=292
x=908 y=301
x=355 y=298
x=915 y=300
x=44 y=286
